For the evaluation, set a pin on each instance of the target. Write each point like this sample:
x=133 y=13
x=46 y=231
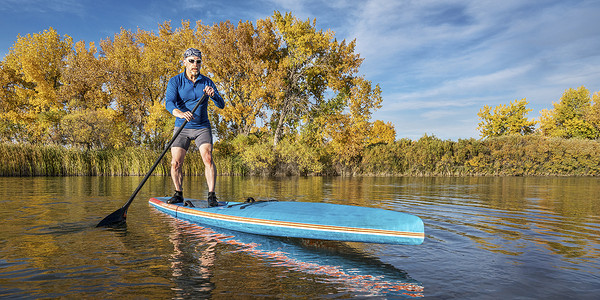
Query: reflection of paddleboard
x=354 y=270
x=303 y=220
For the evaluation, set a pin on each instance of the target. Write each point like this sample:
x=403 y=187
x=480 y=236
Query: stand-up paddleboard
x=303 y=220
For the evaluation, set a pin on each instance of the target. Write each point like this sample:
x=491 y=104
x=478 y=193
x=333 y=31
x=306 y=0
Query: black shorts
x=201 y=136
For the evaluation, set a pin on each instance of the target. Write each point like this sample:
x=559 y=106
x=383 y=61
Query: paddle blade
x=115 y=219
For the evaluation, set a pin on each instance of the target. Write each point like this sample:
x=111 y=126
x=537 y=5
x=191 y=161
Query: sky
x=437 y=62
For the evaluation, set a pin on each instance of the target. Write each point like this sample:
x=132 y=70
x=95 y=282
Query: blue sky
x=437 y=62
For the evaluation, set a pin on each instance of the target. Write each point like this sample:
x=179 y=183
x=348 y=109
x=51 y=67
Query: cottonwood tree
x=90 y=121
x=348 y=130
x=571 y=117
x=297 y=79
x=161 y=59
x=127 y=80
x=240 y=60
x=138 y=67
x=505 y=119
x=382 y=132
x=311 y=63
x=33 y=67
x=593 y=115
x=10 y=128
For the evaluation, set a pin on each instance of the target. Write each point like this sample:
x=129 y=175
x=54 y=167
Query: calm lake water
x=486 y=238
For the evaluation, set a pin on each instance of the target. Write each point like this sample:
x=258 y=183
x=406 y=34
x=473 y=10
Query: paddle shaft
x=126 y=206
x=163 y=153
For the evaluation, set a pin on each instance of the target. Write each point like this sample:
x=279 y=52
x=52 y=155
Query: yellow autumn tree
x=382 y=132
x=160 y=59
x=570 y=116
x=126 y=79
x=95 y=128
x=593 y=115
x=138 y=67
x=299 y=56
x=83 y=80
x=505 y=119
x=349 y=130
x=312 y=64
x=239 y=59
x=34 y=65
x=9 y=104
x=90 y=121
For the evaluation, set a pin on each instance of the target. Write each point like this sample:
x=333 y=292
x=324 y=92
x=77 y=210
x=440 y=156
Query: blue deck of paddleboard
x=305 y=220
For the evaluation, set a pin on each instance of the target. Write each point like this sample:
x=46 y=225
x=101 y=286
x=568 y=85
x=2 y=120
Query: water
x=486 y=238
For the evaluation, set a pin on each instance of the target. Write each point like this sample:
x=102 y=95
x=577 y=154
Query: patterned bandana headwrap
x=192 y=52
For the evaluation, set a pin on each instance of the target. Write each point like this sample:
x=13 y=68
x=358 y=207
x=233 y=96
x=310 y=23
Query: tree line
x=281 y=77
x=295 y=106
x=576 y=115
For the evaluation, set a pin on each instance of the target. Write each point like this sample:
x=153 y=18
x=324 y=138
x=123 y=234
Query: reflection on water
x=514 y=215
x=486 y=237
x=192 y=270
x=332 y=263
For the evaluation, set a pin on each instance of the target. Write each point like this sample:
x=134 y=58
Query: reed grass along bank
x=429 y=156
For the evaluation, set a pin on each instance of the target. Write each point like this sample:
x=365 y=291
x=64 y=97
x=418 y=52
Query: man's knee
x=206 y=153
x=207 y=158
x=176 y=164
x=178 y=155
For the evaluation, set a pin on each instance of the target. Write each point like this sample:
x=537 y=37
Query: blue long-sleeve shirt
x=183 y=94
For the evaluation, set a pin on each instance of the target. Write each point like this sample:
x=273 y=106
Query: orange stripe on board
x=306 y=226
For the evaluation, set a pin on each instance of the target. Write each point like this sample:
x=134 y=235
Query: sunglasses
x=192 y=61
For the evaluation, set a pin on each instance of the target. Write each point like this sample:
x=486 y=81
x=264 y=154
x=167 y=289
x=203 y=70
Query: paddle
x=118 y=217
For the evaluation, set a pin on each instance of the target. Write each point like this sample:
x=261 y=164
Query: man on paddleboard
x=183 y=93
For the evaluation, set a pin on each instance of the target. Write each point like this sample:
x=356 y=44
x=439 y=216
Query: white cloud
x=431 y=54
x=43 y=6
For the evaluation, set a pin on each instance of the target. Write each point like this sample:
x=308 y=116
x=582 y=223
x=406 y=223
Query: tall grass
x=428 y=156
x=53 y=160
